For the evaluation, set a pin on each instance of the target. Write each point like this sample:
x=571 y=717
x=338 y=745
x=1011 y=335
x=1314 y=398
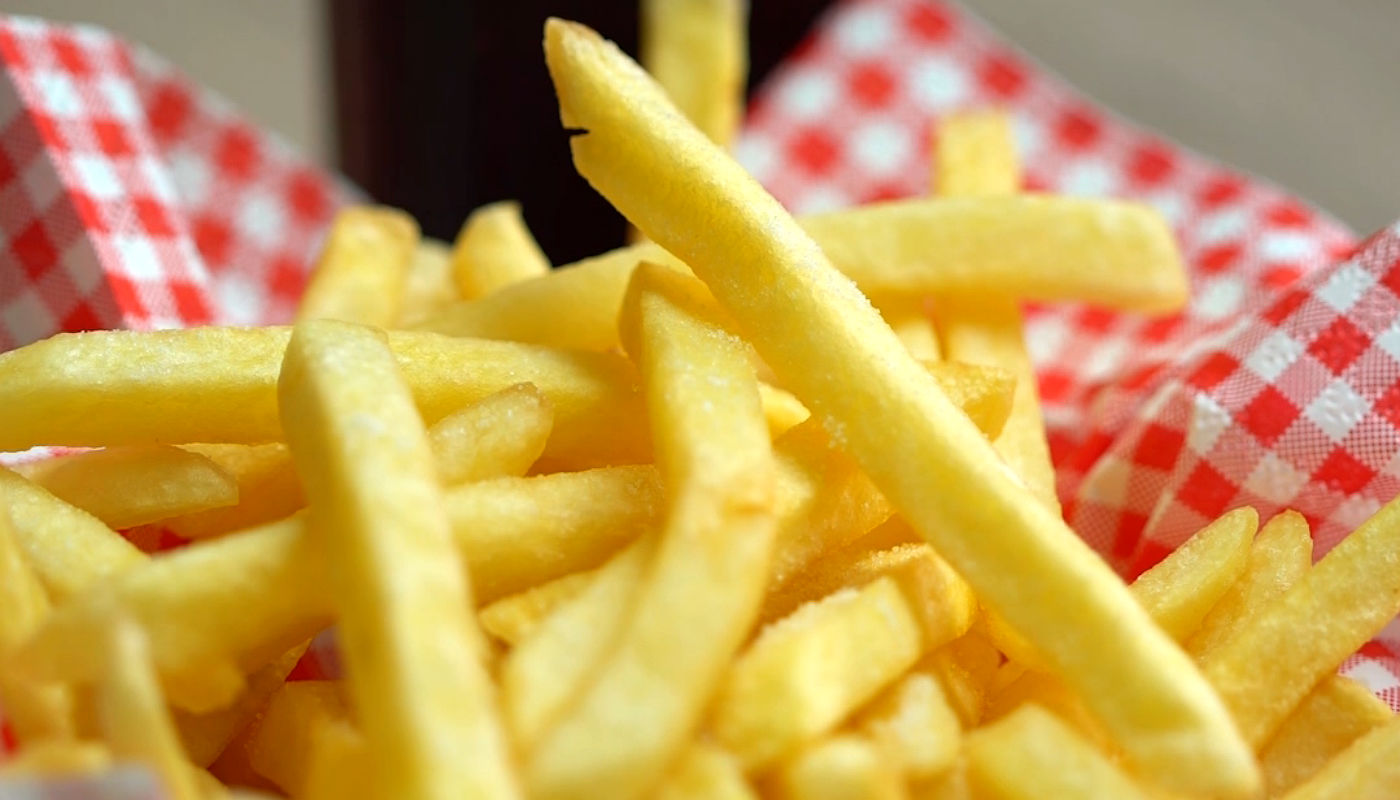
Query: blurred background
x=439 y=107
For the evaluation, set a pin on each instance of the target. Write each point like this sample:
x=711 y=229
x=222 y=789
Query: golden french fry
x=1281 y=652
x=68 y=549
x=410 y=642
x=832 y=350
x=1033 y=688
x=363 y=268
x=501 y=434
x=1333 y=715
x=1031 y=755
x=910 y=317
x=1280 y=554
x=695 y=603
x=429 y=285
x=705 y=772
x=965 y=668
x=340 y=763
x=268 y=490
x=135 y=723
x=1183 y=587
x=55 y=757
x=975 y=156
x=511 y=619
x=551 y=667
x=280 y=747
x=1367 y=770
x=951 y=785
x=842 y=767
x=914 y=723
x=800 y=677
x=219 y=385
x=494 y=250
x=696 y=50
x=129 y=486
x=205 y=736
x=783 y=411
x=35 y=712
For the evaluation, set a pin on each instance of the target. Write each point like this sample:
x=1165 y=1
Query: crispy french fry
x=429 y=285
x=1281 y=652
x=783 y=411
x=705 y=772
x=1280 y=554
x=914 y=723
x=975 y=155
x=1034 y=688
x=363 y=268
x=1367 y=770
x=494 y=250
x=696 y=601
x=951 y=785
x=501 y=434
x=831 y=349
x=411 y=646
x=280 y=748
x=340 y=763
x=800 y=677
x=205 y=736
x=35 y=712
x=1335 y=714
x=843 y=767
x=696 y=50
x=1181 y=589
x=219 y=385
x=55 y=757
x=1031 y=754
x=909 y=316
x=129 y=486
x=135 y=723
x=511 y=619
x=965 y=668
x=67 y=548
x=268 y=490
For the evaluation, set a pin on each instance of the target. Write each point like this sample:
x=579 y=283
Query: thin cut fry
x=1367 y=770
x=831 y=349
x=279 y=749
x=1180 y=590
x=914 y=724
x=511 y=619
x=340 y=763
x=1335 y=714
x=1031 y=755
x=696 y=50
x=268 y=490
x=410 y=643
x=843 y=767
x=494 y=250
x=34 y=711
x=363 y=268
x=965 y=668
x=705 y=772
x=909 y=316
x=429 y=285
x=501 y=434
x=205 y=736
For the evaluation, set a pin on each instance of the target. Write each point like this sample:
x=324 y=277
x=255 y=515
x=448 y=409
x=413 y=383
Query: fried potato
x=410 y=643
x=1034 y=688
x=910 y=317
x=429 y=285
x=34 y=711
x=279 y=748
x=204 y=736
x=843 y=767
x=831 y=349
x=129 y=486
x=914 y=724
x=783 y=411
x=965 y=668
x=55 y=757
x=495 y=249
x=1333 y=715
x=268 y=490
x=705 y=772
x=340 y=763
x=1031 y=755
x=501 y=434
x=696 y=50
x=512 y=618
x=1183 y=587
x=363 y=268
x=1367 y=770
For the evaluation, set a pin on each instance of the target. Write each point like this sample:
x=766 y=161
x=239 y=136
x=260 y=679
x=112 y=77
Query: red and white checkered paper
x=131 y=198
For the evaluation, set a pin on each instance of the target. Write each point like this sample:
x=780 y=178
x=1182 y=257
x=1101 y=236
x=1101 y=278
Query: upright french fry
x=279 y=749
x=268 y=490
x=829 y=346
x=1335 y=714
x=429 y=285
x=501 y=434
x=205 y=736
x=695 y=603
x=783 y=411
x=495 y=250
x=1031 y=755
x=1181 y=589
x=914 y=723
x=975 y=156
x=1280 y=555
x=410 y=644
x=34 y=711
x=135 y=723
x=363 y=268
x=1367 y=770
x=843 y=767
x=705 y=772
x=68 y=549
x=696 y=50
x=129 y=486
x=512 y=618
x=801 y=677
x=909 y=316
x=1281 y=652
x=340 y=763
x=219 y=385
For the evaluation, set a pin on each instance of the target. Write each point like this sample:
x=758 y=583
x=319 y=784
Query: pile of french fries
x=690 y=519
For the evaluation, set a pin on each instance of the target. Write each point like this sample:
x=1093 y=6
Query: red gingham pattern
x=130 y=197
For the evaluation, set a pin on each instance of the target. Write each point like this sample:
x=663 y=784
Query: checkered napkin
x=130 y=197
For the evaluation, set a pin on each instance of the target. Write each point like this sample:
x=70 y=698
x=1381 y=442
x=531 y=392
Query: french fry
x=1280 y=555
x=1034 y=688
x=68 y=549
x=55 y=757
x=135 y=723
x=965 y=668
x=975 y=156
x=783 y=411
x=695 y=603
x=429 y=285
x=909 y=316
x=1333 y=715
x=1031 y=754
x=279 y=748
x=951 y=785
x=831 y=349
x=1281 y=652
x=340 y=763
x=800 y=677
x=268 y=490
x=512 y=618
x=35 y=711
x=696 y=50
x=501 y=434
x=843 y=767
x=1367 y=770
x=913 y=722
x=363 y=268
x=1183 y=587
x=204 y=736
x=410 y=643
x=219 y=385
x=705 y=772
x=129 y=486
x=494 y=250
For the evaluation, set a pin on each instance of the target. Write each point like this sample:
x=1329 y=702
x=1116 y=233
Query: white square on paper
x=139 y=258
x=1272 y=356
x=1336 y=410
x=1276 y=480
x=1208 y=421
x=97 y=177
x=1345 y=287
